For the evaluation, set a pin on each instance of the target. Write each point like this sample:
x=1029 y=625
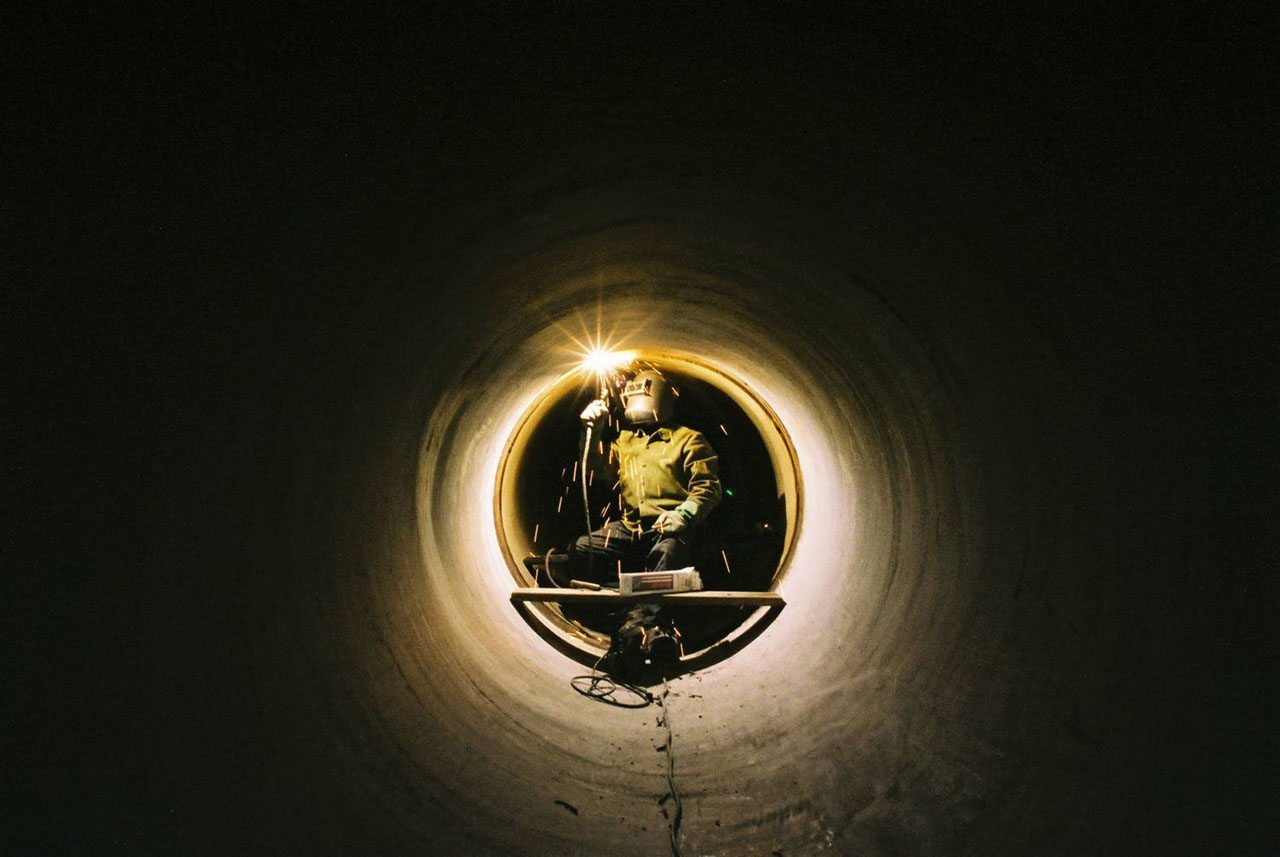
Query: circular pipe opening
x=745 y=544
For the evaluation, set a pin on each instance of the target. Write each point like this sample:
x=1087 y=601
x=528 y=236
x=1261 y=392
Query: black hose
x=587 y=432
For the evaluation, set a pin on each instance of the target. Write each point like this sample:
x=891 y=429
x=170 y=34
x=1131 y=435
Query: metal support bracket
x=586 y=596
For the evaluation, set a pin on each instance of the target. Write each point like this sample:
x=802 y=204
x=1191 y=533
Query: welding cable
x=601 y=687
x=588 y=429
x=546 y=568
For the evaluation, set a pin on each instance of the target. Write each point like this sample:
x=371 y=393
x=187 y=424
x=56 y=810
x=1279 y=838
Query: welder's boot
x=625 y=660
x=661 y=645
x=659 y=640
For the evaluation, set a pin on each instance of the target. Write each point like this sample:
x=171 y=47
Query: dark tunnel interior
x=287 y=282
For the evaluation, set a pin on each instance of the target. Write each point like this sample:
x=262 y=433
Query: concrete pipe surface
x=1011 y=627
x=943 y=651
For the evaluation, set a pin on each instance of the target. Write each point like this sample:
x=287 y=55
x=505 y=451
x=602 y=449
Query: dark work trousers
x=596 y=555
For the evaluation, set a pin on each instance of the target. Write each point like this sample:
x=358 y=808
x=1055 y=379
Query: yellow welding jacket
x=666 y=468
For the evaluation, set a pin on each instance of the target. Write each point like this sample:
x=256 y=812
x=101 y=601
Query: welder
x=669 y=482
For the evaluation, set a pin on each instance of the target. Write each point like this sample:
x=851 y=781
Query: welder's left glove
x=676 y=520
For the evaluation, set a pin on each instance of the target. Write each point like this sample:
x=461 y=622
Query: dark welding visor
x=647 y=399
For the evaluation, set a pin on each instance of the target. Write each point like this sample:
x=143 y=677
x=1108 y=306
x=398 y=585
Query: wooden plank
x=588 y=596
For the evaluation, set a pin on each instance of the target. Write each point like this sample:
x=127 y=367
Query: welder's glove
x=594 y=411
x=669 y=523
x=675 y=520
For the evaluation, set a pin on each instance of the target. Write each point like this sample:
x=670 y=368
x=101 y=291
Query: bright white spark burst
x=602 y=360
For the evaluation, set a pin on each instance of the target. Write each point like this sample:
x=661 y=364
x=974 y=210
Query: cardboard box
x=680 y=580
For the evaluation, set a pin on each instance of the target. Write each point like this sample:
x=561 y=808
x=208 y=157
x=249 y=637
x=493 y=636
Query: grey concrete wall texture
x=1000 y=289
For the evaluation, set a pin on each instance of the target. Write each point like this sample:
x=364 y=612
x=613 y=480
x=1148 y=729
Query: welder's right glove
x=594 y=411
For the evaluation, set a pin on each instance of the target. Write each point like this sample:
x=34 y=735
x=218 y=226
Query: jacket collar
x=650 y=435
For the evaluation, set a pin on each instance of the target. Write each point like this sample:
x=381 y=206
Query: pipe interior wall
x=958 y=661
x=991 y=323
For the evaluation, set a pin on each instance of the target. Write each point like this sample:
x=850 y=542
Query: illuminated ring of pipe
x=546 y=619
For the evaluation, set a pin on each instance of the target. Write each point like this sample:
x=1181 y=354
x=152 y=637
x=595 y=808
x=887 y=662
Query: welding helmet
x=647 y=399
